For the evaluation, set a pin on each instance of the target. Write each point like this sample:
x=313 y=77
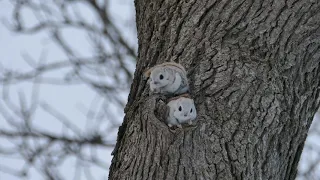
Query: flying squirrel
x=168 y=78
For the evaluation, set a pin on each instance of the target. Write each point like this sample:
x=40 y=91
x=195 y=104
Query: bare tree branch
x=106 y=69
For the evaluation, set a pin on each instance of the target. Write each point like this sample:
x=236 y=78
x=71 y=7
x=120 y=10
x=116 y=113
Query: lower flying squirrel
x=181 y=110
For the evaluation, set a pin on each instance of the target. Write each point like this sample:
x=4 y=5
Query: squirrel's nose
x=155 y=82
x=185 y=115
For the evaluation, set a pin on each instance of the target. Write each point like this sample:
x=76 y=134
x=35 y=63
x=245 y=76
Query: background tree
x=81 y=54
x=254 y=74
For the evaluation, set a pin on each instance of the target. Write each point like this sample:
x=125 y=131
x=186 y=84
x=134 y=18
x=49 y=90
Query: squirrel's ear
x=147 y=74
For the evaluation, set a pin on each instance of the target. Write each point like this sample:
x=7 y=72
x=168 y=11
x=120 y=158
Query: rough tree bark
x=254 y=73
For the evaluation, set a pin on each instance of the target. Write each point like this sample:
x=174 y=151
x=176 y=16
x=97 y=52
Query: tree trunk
x=254 y=73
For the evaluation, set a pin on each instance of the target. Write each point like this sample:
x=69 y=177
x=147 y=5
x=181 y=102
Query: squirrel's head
x=185 y=109
x=160 y=77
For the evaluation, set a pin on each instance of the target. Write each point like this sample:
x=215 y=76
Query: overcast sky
x=69 y=100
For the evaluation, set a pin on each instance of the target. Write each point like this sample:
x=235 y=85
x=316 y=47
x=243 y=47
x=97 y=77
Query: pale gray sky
x=69 y=100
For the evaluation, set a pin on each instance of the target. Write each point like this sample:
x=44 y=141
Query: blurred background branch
x=94 y=49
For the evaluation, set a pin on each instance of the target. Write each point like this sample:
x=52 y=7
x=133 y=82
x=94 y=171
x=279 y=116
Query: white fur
x=168 y=80
x=180 y=111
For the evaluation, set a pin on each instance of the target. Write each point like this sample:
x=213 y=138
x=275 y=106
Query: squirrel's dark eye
x=161 y=76
x=191 y=111
x=180 y=108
